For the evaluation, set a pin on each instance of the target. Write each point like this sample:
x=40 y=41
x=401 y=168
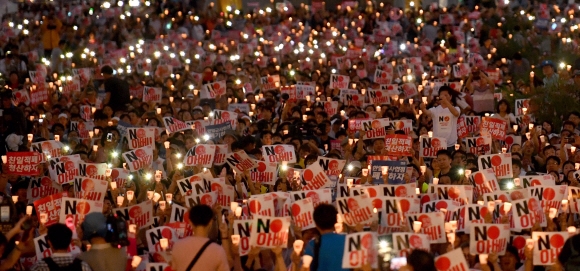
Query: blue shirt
x=331 y=252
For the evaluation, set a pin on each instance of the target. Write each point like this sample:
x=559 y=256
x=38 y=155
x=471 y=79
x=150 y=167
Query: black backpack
x=76 y=265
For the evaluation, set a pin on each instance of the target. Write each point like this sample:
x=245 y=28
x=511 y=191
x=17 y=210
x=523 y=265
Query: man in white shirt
x=445 y=116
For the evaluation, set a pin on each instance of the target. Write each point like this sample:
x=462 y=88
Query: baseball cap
x=547 y=62
x=95 y=225
x=62 y=115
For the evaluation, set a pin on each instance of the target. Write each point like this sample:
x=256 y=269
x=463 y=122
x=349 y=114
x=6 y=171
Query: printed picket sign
x=318 y=196
x=511 y=140
x=73 y=210
x=200 y=155
x=222 y=116
x=239 y=108
x=302 y=211
x=83 y=128
x=198 y=125
x=388 y=190
x=478 y=145
x=314 y=178
x=376 y=128
x=432 y=224
x=573 y=193
x=179 y=214
x=460 y=193
x=404 y=243
x=392 y=89
x=396 y=172
x=500 y=163
x=467 y=125
x=271 y=82
x=547 y=246
x=339 y=81
x=51 y=206
x=213 y=90
x=174 y=125
x=382 y=77
x=217 y=131
x=527 y=212
x=329 y=107
x=20 y=97
x=40 y=187
x=429 y=146
x=356 y=209
x=90 y=189
x=453 y=260
x=379 y=96
x=208 y=198
x=489 y=238
x=269 y=232
x=240 y=161
x=140 y=214
x=93 y=170
x=225 y=193
x=120 y=176
x=262 y=205
x=64 y=169
x=437 y=205
x=468 y=215
x=153 y=237
x=502 y=196
x=360 y=249
x=279 y=153
x=139 y=158
x=221 y=150
x=23 y=163
x=549 y=196
x=304 y=90
x=43 y=249
x=494 y=127
x=140 y=137
x=152 y=94
x=243 y=228
x=331 y=166
x=392 y=211
x=401 y=125
x=398 y=145
x=354 y=125
x=48 y=149
x=520 y=105
x=484 y=181
x=291 y=92
x=537 y=180
x=265 y=172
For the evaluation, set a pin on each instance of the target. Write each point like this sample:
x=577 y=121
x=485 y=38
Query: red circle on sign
x=509 y=140
x=308 y=175
x=549 y=193
x=443 y=263
x=480 y=141
x=436 y=143
x=493 y=232
x=167 y=233
x=226 y=115
x=377 y=203
x=333 y=165
x=200 y=150
x=276 y=225
x=479 y=178
x=454 y=192
x=367 y=241
x=496 y=160
x=352 y=205
x=441 y=205
x=255 y=206
x=557 y=240
x=140 y=133
x=83 y=208
x=340 y=79
x=405 y=205
x=517 y=195
x=401 y=191
x=519 y=242
x=261 y=166
x=372 y=192
x=114 y=173
x=279 y=149
x=295 y=209
x=135 y=211
x=140 y=153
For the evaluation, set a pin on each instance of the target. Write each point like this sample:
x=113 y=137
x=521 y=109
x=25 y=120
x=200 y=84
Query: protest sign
x=74 y=210
x=279 y=153
x=489 y=238
x=453 y=260
x=139 y=158
x=405 y=242
x=500 y=163
x=200 y=155
x=547 y=246
x=356 y=209
x=50 y=205
x=360 y=249
x=302 y=213
x=140 y=214
x=269 y=232
x=429 y=146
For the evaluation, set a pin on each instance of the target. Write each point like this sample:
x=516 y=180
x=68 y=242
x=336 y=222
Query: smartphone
x=397 y=263
x=40 y=120
x=570 y=139
x=109 y=137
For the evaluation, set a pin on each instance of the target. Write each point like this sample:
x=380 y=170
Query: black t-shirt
x=566 y=252
x=120 y=95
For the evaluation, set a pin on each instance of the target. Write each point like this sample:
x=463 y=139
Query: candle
x=238 y=211
x=483 y=258
x=135 y=261
x=435 y=181
x=43 y=218
x=29 y=210
x=306 y=261
x=4 y=159
x=14 y=199
x=162 y=205
x=131 y=194
x=235 y=239
x=417 y=226
x=120 y=200
x=507 y=207
x=298 y=244
x=164 y=243
x=234 y=205
x=30 y=137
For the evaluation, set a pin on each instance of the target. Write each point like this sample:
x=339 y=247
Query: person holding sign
x=198 y=252
x=328 y=248
x=95 y=230
x=445 y=116
x=59 y=239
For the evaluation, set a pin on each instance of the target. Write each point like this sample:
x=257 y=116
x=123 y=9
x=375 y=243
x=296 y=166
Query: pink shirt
x=213 y=258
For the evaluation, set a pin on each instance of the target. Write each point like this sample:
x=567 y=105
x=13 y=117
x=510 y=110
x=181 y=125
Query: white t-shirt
x=445 y=124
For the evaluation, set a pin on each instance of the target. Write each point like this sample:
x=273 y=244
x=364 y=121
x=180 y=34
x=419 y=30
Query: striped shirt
x=61 y=259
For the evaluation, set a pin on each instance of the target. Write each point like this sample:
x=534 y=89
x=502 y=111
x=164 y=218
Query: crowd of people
x=180 y=135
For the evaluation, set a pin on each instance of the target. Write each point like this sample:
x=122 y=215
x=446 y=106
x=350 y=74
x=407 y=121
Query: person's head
x=94 y=227
x=59 y=236
x=516 y=167
x=548 y=68
x=553 y=163
x=503 y=107
x=420 y=260
x=107 y=71
x=444 y=159
x=201 y=216
x=448 y=94
x=510 y=259
x=325 y=216
x=459 y=158
x=574 y=117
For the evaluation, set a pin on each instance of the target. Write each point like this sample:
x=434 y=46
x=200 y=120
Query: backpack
x=76 y=265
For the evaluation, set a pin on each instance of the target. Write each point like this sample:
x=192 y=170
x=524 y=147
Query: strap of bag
x=316 y=258
x=198 y=255
x=52 y=266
